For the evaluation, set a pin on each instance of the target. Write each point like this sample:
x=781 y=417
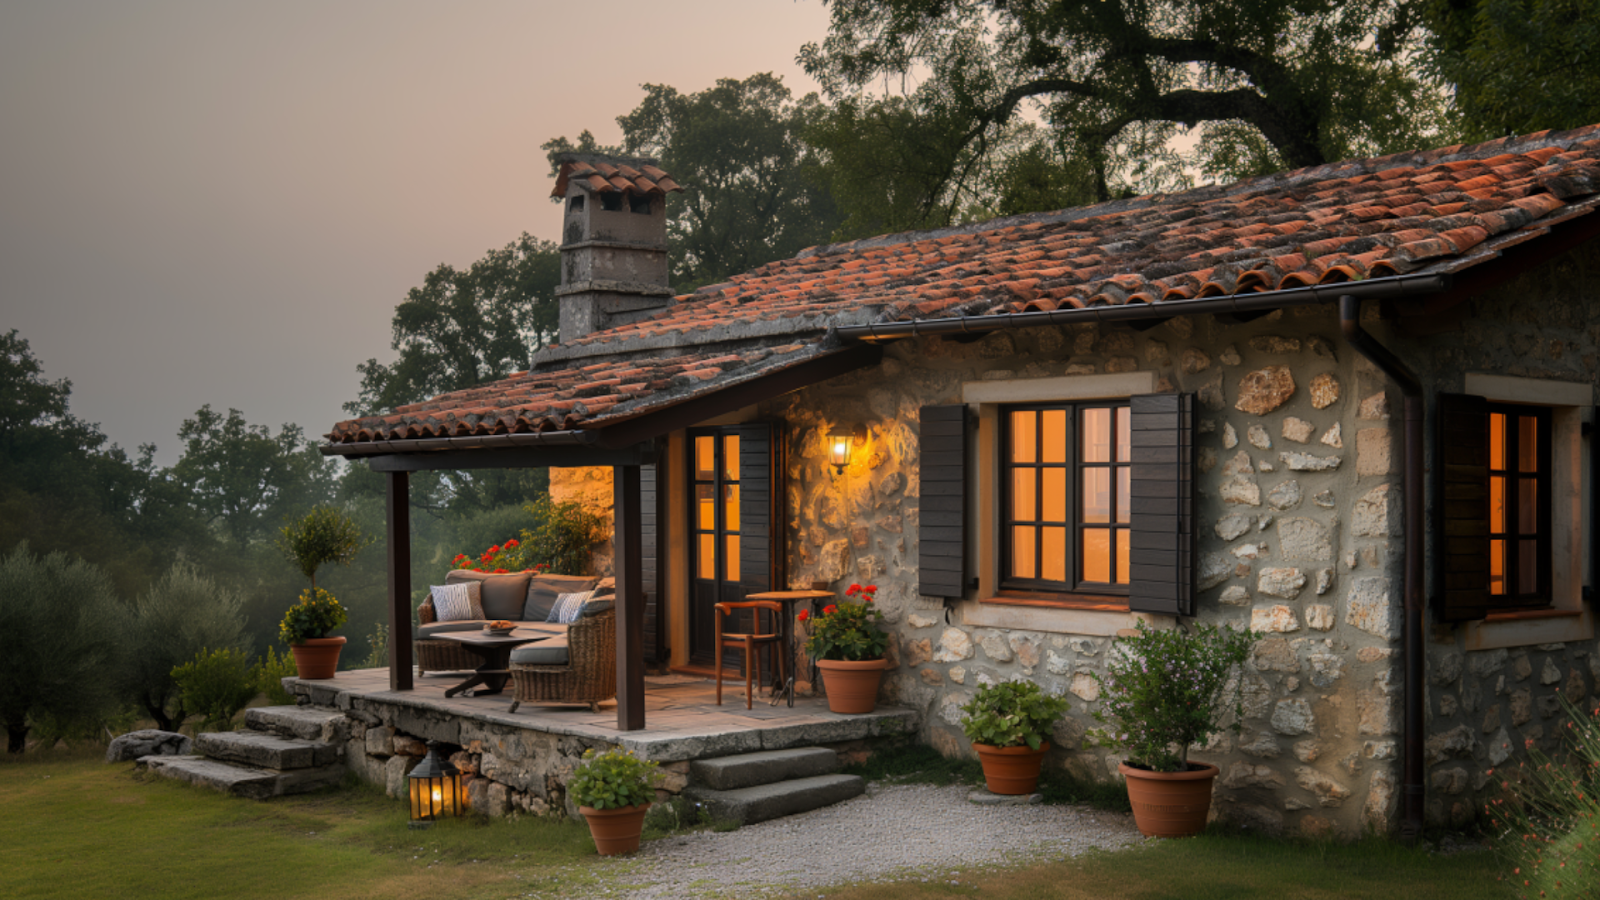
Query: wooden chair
x=750 y=643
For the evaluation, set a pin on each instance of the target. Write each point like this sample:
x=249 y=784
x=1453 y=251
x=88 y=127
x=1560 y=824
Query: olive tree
x=182 y=615
x=59 y=647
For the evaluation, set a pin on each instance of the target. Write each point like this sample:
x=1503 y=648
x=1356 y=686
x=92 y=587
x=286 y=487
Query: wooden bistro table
x=495 y=670
x=788 y=599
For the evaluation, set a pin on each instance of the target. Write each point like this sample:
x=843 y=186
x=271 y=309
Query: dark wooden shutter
x=1162 y=552
x=941 y=542
x=649 y=566
x=756 y=517
x=1461 y=509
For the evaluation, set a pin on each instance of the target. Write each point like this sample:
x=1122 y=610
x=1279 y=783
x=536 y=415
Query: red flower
x=512 y=543
x=494 y=549
x=499 y=571
x=829 y=610
x=804 y=614
x=871 y=588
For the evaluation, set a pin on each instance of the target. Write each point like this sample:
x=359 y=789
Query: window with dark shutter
x=941 y=543
x=1461 y=508
x=1163 y=525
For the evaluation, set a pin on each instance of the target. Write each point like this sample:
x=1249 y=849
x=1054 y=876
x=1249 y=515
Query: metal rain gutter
x=574 y=437
x=1371 y=289
x=1411 y=628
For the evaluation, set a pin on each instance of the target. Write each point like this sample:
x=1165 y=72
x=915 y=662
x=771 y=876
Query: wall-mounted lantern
x=435 y=788
x=839 y=444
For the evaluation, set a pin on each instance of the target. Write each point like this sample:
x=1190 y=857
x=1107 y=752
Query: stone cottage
x=1348 y=406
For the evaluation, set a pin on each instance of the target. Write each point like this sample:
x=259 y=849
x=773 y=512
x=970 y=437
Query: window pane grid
x=1519 y=506
x=1066 y=474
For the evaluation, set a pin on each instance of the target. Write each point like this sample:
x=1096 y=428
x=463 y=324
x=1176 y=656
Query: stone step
x=242 y=781
x=729 y=773
x=761 y=802
x=265 y=751
x=307 y=723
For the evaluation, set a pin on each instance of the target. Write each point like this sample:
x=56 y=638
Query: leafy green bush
x=613 y=779
x=315 y=616
x=1011 y=714
x=1165 y=689
x=216 y=684
x=182 y=614
x=377 y=648
x=61 y=634
x=268 y=673
x=565 y=537
x=1548 y=816
x=323 y=535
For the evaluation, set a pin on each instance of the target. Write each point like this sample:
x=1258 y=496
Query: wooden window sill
x=1523 y=615
x=1095 y=602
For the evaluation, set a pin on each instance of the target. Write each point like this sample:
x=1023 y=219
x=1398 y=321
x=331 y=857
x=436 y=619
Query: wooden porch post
x=626 y=536
x=399 y=521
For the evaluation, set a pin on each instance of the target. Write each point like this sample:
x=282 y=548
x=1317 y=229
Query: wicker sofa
x=576 y=663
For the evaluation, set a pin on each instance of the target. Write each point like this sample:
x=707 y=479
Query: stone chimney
x=613 y=241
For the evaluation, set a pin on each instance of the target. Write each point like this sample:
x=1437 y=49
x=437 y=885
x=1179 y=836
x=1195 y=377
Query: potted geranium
x=1009 y=725
x=848 y=646
x=614 y=790
x=1164 y=690
x=323 y=535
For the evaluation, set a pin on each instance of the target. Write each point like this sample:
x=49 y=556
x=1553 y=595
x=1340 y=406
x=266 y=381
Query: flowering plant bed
x=847 y=631
x=1165 y=689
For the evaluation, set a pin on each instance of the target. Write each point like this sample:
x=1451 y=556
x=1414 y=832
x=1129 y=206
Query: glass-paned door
x=714 y=535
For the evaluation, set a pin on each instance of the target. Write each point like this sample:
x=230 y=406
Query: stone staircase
x=755 y=787
x=284 y=750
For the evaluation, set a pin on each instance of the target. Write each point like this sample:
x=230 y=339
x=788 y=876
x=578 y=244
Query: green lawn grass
x=72 y=826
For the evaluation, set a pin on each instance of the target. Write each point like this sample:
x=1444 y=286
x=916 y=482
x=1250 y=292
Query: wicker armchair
x=590 y=674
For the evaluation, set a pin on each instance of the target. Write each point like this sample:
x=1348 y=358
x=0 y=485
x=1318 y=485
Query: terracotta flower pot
x=1011 y=770
x=852 y=685
x=1170 y=804
x=317 y=657
x=617 y=830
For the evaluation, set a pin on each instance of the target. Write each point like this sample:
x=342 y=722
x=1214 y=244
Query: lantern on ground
x=435 y=788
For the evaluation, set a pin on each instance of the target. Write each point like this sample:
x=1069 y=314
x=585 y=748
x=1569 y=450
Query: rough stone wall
x=1300 y=515
x=591 y=486
x=1485 y=707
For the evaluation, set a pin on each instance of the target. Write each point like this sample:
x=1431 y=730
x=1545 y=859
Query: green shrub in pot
x=1011 y=714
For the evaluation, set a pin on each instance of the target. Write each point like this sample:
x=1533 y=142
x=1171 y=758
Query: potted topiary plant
x=1164 y=690
x=848 y=646
x=614 y=790
x=323 y=535
x=1009 y=725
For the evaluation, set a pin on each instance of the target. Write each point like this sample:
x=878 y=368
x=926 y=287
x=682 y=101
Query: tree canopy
x=1258 y=84
x=465 y=327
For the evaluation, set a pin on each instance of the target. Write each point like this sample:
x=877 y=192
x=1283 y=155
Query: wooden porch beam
x=398 y=516
x=626 y=539
x=514 y=458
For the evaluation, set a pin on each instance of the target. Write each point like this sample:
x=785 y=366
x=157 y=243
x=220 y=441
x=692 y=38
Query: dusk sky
x=222 y=202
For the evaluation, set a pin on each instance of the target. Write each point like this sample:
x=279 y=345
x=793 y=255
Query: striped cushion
x=455 y=602
x=569 y=606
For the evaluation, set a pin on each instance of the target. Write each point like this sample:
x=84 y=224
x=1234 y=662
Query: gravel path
x=890 y=833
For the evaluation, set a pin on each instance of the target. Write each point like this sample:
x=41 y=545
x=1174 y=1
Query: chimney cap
x=624 y=174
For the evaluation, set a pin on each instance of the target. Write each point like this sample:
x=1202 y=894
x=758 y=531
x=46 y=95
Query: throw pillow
x=568 y=607
x=454 y=603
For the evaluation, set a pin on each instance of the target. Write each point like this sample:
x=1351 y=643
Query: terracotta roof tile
x=1437 y=211
x=601 y=177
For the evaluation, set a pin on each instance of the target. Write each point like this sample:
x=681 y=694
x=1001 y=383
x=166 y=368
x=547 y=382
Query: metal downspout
x=1411 y=804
